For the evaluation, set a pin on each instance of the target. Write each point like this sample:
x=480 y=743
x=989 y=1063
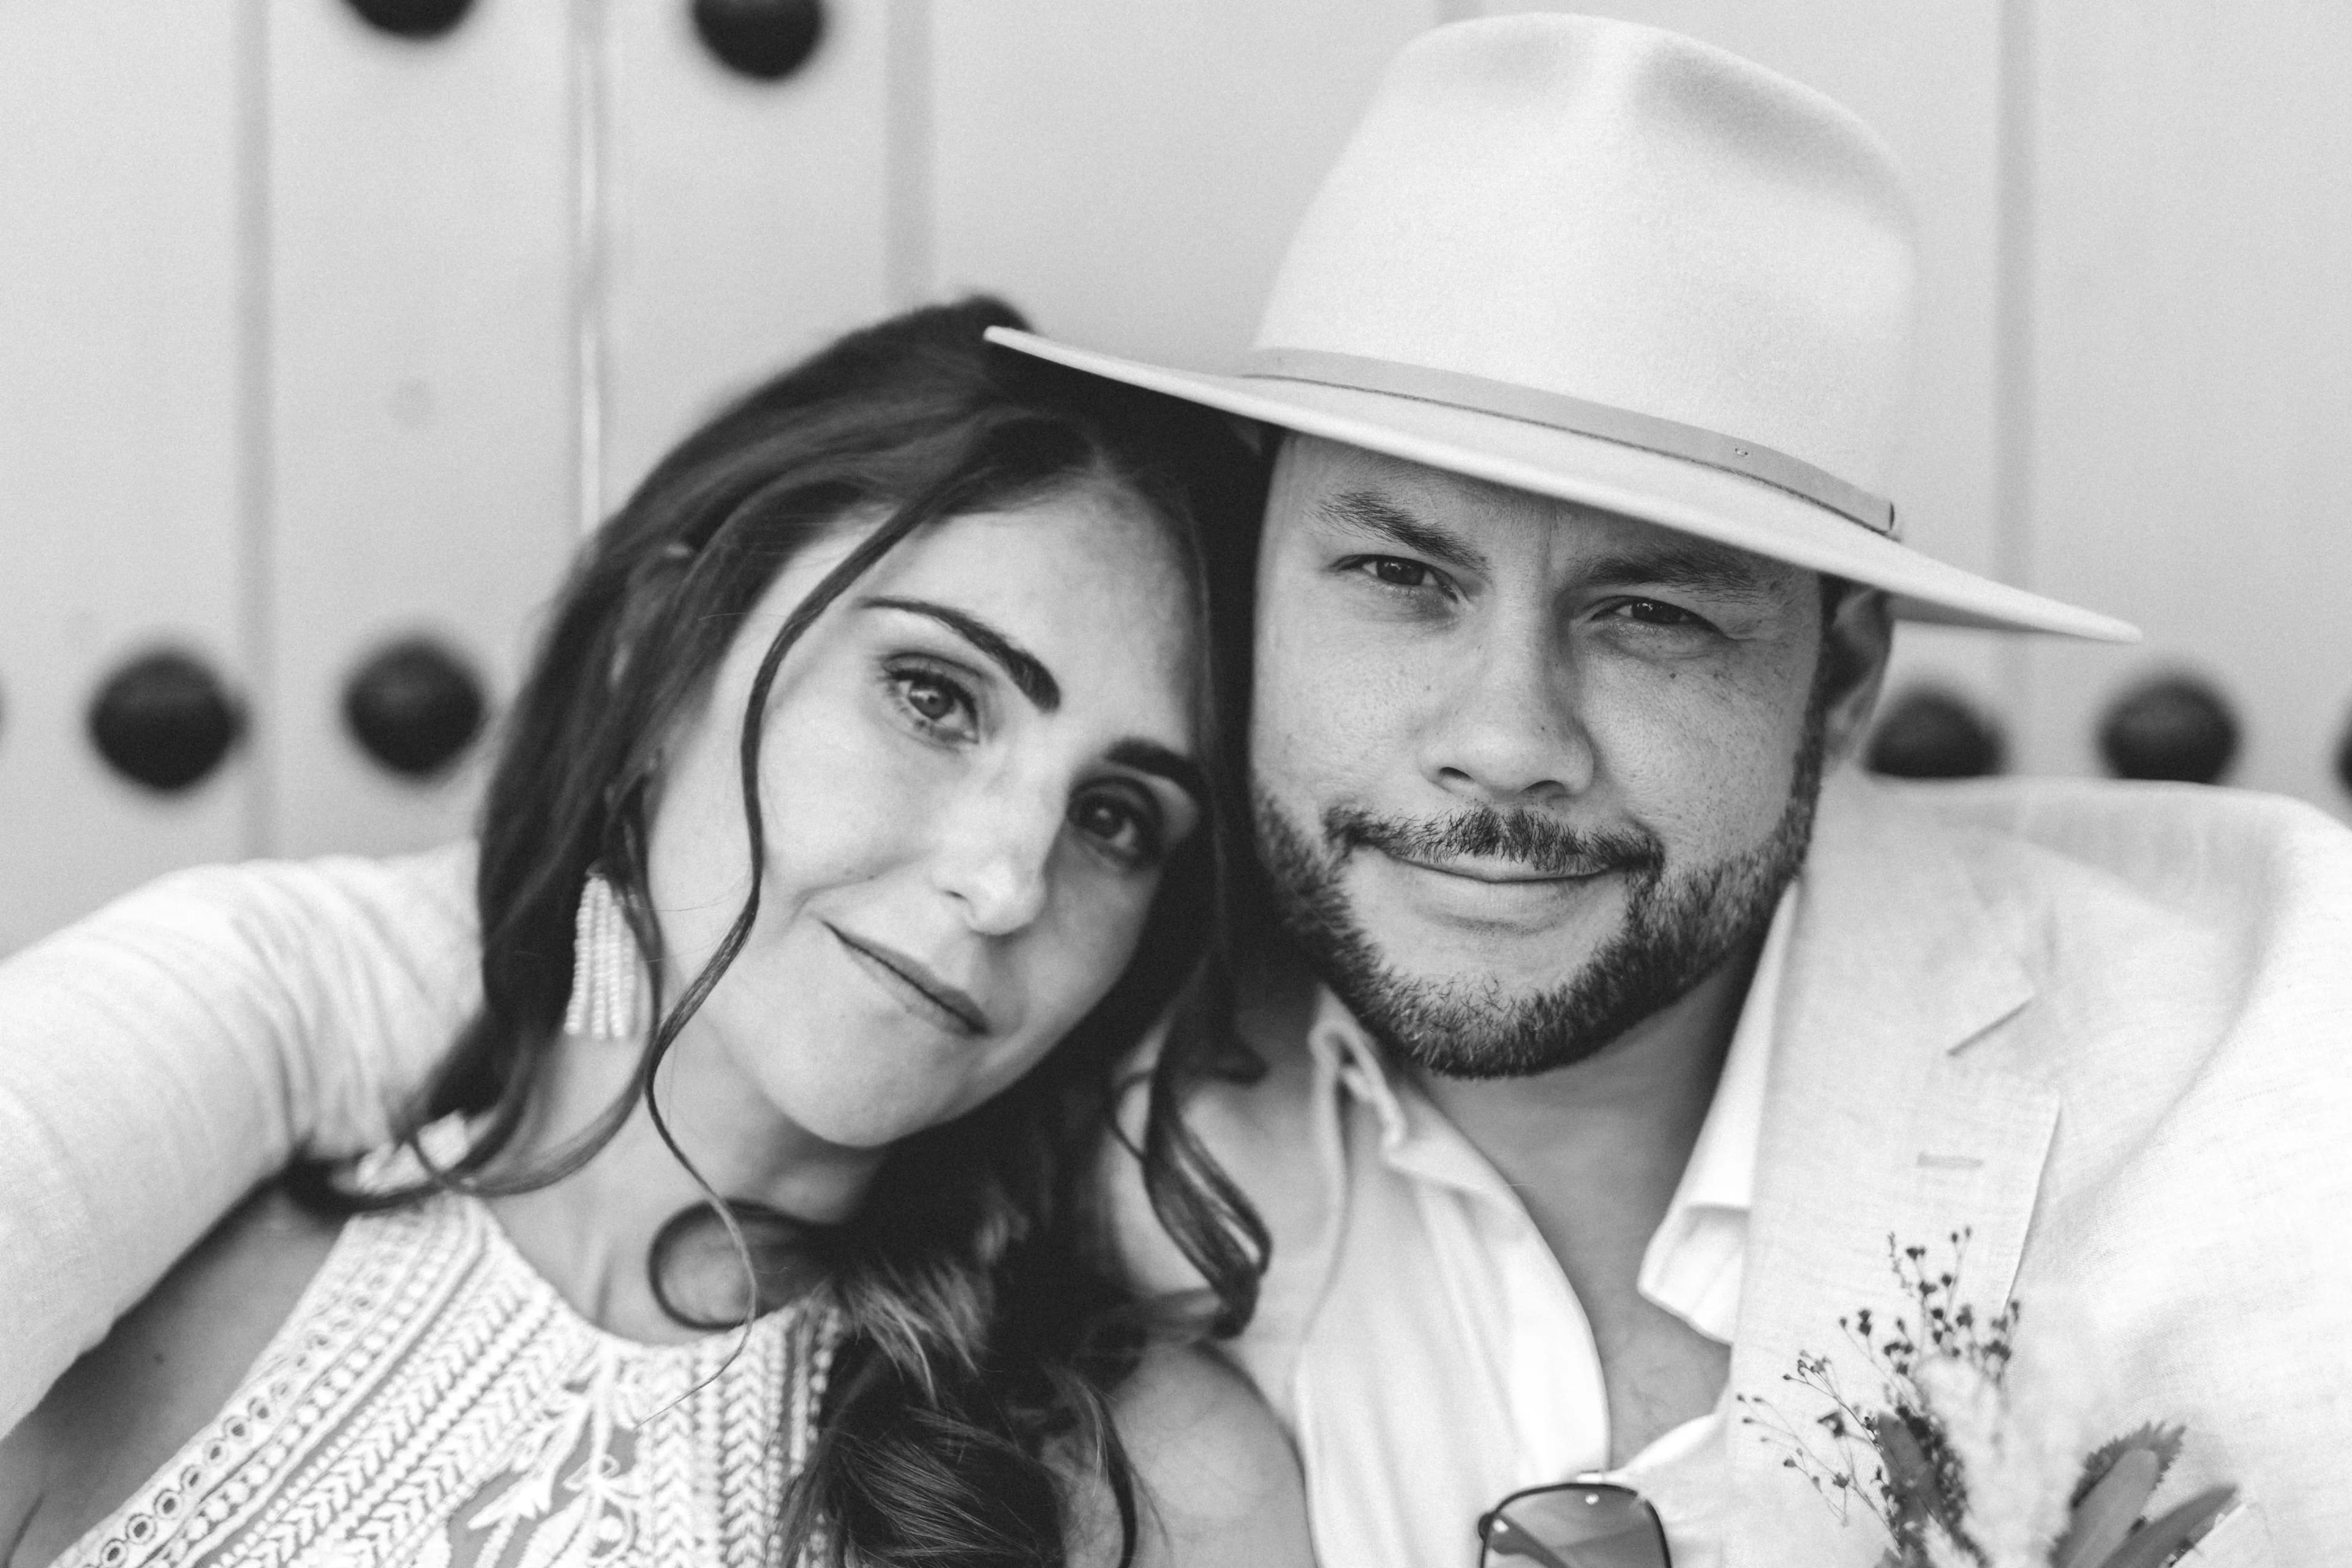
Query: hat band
x=1559 y=411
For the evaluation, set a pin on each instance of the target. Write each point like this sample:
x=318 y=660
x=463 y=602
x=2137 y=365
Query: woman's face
x=973 y=768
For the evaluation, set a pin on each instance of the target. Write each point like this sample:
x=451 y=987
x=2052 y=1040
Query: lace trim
x=432 y=1401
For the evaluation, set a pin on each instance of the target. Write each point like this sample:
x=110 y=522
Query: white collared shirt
x=1450 y=1361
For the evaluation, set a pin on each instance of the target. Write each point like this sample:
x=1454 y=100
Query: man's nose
x=1507 y=730
x=993 y=856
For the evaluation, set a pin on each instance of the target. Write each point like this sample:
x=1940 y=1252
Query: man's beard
x=1677 y=929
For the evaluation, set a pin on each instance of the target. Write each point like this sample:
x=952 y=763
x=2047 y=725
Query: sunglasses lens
x=1576 y=1527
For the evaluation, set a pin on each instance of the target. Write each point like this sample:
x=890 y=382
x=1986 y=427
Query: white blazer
x=2106 y=1030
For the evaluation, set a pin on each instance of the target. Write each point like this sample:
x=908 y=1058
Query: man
x=1636 y=1029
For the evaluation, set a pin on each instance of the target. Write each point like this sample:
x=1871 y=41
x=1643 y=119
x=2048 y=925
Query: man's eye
x=1397 y=573
x=1653 y=613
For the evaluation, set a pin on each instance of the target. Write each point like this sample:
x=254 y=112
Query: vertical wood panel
x=744 y=222
x=1927 y=78
x=119 y=428
x=1129 y=174
x=423 y=425
x=2193 y=354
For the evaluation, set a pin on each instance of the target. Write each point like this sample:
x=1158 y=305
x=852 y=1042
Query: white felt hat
x=1611 y=264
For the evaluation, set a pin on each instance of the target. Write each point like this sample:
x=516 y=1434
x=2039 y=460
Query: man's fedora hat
x=1614 y=264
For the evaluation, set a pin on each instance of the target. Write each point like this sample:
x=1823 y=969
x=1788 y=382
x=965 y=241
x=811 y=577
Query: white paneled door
x=423 y=340
x=741 y=222
x=2192 y=372
x=125 y=415
x=320 y=342
x=1127 y=174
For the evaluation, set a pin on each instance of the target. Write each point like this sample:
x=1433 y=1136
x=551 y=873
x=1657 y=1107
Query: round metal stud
x=164 y=721
x=412 y=18
x=415 y=707
x=2344 y=758
x=764 y=39
x=2175 y=727
x=1928 y=732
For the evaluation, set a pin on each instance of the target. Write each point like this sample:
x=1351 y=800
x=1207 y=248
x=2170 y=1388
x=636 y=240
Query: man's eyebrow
x=1364 y=512
x=1693 y=569
x=1151 y=757
x=1020 y=666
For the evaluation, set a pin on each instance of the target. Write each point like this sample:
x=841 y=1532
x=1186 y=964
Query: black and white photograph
x=1096 y=783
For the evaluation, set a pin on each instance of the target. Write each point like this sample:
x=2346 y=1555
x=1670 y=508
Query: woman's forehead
x=1090 y=584
x=1072 y=556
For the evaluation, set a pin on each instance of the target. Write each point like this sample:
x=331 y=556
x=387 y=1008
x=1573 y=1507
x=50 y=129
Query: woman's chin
x=869 y=1120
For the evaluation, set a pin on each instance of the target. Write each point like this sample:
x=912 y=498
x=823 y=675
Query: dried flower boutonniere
x=1972 y=1454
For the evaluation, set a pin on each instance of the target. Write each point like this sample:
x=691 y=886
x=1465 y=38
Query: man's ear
x=1857 y=635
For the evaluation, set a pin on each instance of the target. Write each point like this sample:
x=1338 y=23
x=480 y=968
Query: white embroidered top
x=432 y=1401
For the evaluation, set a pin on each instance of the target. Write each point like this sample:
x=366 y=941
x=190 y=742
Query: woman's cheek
x=837 y=805
x=1107 y=935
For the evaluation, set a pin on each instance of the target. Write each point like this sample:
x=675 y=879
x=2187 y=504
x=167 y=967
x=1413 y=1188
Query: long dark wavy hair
x=986 y=1319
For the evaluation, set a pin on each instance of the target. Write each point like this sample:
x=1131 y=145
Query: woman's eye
x=931 y=699
x=1128 y=830
x=935 y=703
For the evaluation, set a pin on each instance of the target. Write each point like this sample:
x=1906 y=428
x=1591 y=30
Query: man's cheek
x=1293 y=710
x=1316 y=756
x=1704 y=801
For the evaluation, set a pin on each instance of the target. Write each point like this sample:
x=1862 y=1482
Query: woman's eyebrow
x=1020 y=666
x=1151 y=757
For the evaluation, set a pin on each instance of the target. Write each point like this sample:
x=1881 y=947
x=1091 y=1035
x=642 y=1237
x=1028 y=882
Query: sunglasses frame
x=1649 y=1510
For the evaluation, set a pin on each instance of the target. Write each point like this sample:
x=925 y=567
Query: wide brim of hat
x=1711 y=503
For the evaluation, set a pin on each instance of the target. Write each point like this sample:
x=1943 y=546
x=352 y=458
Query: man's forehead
x=1317 y=481
x=1311 y=469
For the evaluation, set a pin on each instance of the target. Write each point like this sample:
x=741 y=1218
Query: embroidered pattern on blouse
x=433 y=1403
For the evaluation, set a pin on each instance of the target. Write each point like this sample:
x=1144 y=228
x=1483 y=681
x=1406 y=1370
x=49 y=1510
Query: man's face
x=1527 y=772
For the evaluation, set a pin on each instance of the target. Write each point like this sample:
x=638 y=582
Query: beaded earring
x=606 y=972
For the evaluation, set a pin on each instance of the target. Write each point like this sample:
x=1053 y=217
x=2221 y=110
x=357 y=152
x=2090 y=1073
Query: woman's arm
x=159 y=1057
x=1218 y=1483
x=163 y=1373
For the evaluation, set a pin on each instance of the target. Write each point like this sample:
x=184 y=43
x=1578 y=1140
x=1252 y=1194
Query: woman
x=876 y=752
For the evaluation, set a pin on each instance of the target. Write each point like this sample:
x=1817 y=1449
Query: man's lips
x=1504 y=873
x=1497 y=900
x=915 y=982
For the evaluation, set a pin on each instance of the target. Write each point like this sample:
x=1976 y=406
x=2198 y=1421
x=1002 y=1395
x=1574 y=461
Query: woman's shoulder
x=1217 y=1480
x=166 y=1369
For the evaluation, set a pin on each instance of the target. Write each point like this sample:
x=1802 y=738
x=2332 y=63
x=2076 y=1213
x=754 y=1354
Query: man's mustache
x=1526 y=838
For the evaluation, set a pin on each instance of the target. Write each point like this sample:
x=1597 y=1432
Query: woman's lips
x=908 y=979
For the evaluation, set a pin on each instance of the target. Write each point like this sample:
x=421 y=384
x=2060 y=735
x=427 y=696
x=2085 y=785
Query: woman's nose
x=994 y=858
x=1508 y=731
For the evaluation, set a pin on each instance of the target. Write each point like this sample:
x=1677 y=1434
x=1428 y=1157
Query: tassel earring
x=607 y=974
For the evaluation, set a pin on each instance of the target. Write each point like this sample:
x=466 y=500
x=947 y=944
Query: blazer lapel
x=1885 y=1116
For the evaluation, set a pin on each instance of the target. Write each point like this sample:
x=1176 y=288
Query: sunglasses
x=1578 y=1524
